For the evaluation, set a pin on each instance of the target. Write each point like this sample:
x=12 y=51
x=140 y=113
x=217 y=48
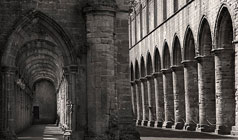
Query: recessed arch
x=35 y=20
x=189 y=45
x=224 y=29
x=137 y=70
x=166 y=56
x=225 y=70
x=132 y=72
x=142 y=67
x=204 y=38
x=149 y=66
x=157 y=60
x=177 y=54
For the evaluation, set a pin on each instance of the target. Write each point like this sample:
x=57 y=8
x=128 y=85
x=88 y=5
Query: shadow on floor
x=41 y=132
x=170 y=133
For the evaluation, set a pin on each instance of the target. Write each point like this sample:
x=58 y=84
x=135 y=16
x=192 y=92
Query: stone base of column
x=7 y=135
x=224 y=130
x=168 y=124
x=234 y=130
x=190 y=127
x=151 y=124
x=178 y=125
x=205 y=128
x=158 y=124
x=144 y=123
x=138 y=122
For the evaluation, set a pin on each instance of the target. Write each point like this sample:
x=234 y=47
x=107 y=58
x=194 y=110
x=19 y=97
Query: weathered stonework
x=201 y=38
x=81 y=48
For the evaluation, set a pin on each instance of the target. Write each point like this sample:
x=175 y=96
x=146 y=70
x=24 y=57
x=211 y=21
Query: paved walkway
x=41 y=132
x=170 y=134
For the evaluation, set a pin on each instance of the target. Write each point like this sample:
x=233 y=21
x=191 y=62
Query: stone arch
x=178 y=84
x=190 y=82
x=166 y=56
x=206 y=78
x=189 y=45
x=37 y=19
x=204 y=38
x=157 y=60
x=177 y=54
x=149 y=67
x=142 y=67
x=225 y=71
x=159 y=95
x=132 y=72
x=137 y=70
x=39 y=38
x=224 y=28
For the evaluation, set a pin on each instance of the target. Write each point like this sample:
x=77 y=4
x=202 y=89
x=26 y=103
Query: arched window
x=164 y=9
x=175 y=6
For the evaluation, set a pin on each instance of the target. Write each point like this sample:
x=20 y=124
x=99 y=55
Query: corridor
x=41 y=132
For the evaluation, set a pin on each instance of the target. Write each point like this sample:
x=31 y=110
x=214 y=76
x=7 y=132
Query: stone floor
x=41 y=132
x=169 y=134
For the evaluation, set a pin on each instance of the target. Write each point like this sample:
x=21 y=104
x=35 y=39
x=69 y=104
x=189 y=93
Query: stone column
x=179 y=96
x=8 y=105
x=168 y=98
x=151 y=100
x=206 y=90
x=159 y=99
x=191 y=94
x=225 y=94
x=133 y=99
x=144 y=96
x=139 y=102
x=235 y=128
x=70 y=73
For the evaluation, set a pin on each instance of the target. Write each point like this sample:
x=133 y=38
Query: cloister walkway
x=170 y=134
x=41 y=132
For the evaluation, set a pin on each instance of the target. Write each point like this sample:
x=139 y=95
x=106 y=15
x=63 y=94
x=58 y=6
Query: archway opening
x=168 y=89
x=224 y=73
x=178 y=85
x=190 y=82
x=39 y=57
x=206 y=80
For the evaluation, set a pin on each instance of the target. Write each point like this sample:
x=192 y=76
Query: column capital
x=137 y=81
x=156 y=74
x=218 y=51
x=143 y=79
x=148 y=77
x=133 y=82
x=175 y=68
x=187 y=63
x=8 y=69
x=202 y=58
x=165 y=71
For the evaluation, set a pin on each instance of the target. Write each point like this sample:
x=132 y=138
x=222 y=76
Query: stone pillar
x=151 y=100
x=225 y=94
x=8 y=105
x=206 y=90
x=191 y=94
x=108 y=89
x=139 y=102
x=144 y=96
x=235 y=128
x=133 y=99
x=168 y=98
x=179 y=96
x=70 y=73
x=159 y=99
